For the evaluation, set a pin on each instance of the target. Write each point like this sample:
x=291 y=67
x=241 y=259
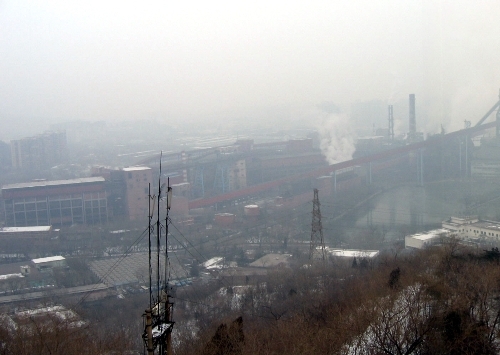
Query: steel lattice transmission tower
x=317 y=246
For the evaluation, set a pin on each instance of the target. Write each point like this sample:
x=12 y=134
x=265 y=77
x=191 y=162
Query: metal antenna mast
x=317 y=245
x=158 y=317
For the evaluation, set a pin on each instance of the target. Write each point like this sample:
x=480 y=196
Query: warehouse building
x=56 y=203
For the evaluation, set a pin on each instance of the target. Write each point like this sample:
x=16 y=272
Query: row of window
x=39 y=206
x=55 y=212
x=85 y=196
x=481 y=232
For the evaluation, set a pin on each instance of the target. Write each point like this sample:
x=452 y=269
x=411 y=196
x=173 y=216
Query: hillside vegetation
x=444 y=300
x=438 y=301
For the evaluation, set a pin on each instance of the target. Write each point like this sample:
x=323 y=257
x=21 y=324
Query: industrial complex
x=239 y=199
x=284 y=171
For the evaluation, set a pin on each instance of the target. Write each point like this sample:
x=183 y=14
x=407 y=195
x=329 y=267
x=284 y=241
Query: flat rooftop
x=430 y=234
x=213 y=263
x=494 y=226
x=132 y=268
x=48 y=259
x=25 y=229
x=45 y=183
x=285 y=155
x=271 y=260
x=11 y=276
x=351 y=253
x=136 y=168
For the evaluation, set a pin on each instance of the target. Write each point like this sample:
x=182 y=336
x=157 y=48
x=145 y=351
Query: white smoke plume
x=337 y=138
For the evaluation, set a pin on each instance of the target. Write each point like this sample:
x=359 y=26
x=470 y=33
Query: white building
x=26 y=232
x=469 y=228
x=352 y=253
x=455 y=224
x=425 y=239
x=472 y=227
x=49 y=262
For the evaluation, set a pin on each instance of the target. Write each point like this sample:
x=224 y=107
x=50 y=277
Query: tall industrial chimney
x=498 y=118
x=413 y=122
x=391 y=123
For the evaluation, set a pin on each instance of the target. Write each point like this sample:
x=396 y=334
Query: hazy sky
x=185 y=60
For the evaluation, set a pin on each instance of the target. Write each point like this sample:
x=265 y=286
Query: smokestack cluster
x=413 y=122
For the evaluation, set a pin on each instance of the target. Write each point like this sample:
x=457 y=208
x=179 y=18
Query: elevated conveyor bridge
x=391 y=153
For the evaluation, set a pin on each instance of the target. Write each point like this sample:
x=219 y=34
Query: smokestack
x=413 y=122
x=391 y=122
x=498 y=118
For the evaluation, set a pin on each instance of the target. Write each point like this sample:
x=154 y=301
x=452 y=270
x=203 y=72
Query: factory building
x=199 y=174
x=115 y=189
x=57 y=203
x=281 y=164
x=485 y=163
x=224 y=169
x=368 y=145
x=127 y=190
x=39 y=152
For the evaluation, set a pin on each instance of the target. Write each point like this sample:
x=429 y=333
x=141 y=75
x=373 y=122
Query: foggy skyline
x=189 y=62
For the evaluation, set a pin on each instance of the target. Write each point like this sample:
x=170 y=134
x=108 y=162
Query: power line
x=276 y=221
x=220 y=280
x=193 y=286
x=113 y=267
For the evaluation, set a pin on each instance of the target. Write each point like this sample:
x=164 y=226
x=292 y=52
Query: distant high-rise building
x=39 y=152
x=137 y=180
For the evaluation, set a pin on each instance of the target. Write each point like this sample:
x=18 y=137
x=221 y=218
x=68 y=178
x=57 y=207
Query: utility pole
x=317 y=241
